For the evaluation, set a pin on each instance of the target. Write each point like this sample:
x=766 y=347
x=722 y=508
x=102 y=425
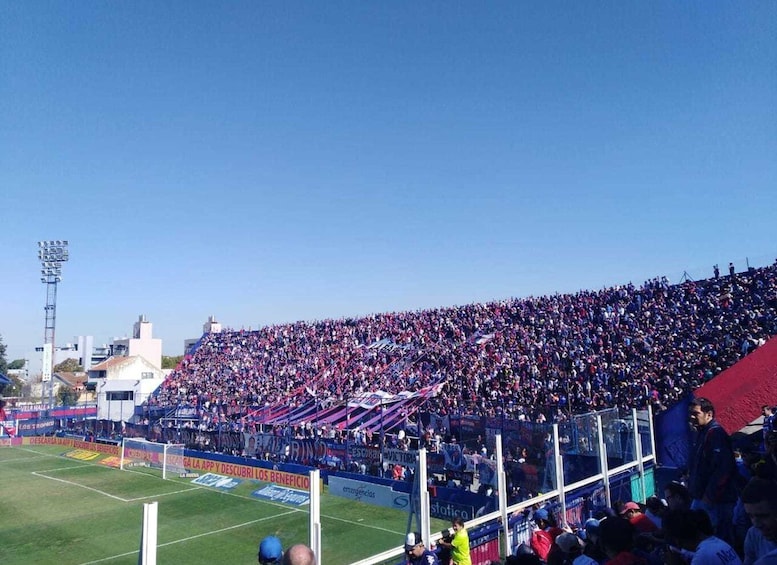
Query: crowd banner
x=406 y=458
x=36 y=427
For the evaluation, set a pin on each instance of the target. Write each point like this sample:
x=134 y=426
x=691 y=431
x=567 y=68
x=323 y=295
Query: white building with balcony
x=123 y=383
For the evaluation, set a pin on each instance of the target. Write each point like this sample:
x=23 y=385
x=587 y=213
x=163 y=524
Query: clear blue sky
x=275 y=161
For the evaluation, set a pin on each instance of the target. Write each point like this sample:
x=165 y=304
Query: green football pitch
x=62 y=511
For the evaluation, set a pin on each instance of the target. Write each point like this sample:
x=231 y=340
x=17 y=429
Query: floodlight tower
x=51 y=254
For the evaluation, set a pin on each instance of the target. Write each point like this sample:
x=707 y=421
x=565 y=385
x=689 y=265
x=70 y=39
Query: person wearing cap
x=270 y=551
x=632 y=512
x=416 y=551
x=590 y=534
x=571 y=547
x=547 y=531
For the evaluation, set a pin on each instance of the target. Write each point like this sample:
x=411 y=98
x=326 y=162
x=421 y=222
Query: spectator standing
x=767 y=467
x=768 y=425
x=731 y=269
x=459 y=544
x=712 y=470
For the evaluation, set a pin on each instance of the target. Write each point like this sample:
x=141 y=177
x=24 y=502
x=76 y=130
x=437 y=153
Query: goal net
x=139 y=452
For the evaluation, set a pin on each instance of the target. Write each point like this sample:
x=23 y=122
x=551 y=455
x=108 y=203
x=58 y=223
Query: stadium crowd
x=722 y=511
x=624 y=346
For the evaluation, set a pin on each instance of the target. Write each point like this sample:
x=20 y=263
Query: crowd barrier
x=627 y=476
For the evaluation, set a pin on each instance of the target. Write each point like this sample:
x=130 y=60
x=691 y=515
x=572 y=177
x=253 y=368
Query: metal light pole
x=51 y=254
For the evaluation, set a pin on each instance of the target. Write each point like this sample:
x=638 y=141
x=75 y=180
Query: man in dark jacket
x=712 y=469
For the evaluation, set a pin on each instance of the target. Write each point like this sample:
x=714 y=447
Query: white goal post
x=139 y=452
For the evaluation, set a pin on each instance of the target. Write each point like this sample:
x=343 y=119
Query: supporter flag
x=9 y=427
x=483 y=339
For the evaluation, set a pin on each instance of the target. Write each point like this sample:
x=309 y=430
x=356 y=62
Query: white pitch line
x=362 y=525
x=277 y=505
x=64 y=468
x=163 y=494
x=182 y=540
x=22 y=459
x=81 y=486
x=41 y=475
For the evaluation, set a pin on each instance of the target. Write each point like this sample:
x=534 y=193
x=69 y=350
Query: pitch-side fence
x=509 y=524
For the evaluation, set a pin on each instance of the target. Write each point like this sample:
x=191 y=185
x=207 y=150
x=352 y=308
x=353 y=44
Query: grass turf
x=62 y=511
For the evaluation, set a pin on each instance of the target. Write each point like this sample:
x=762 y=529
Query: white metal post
x=501 y=482
x=638 y=453
x=423 y=495
x=605 y=471
x=315 y=513
x=559 y=474
x=149 y=534
x=651 y=426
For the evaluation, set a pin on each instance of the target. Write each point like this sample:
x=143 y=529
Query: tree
x=68 y=366
x=16 y=388
x=16 y=364
x=171 y=362
x=67 y=396
x=3 y=362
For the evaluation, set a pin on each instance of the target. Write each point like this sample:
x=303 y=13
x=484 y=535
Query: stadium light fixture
x=51 y=254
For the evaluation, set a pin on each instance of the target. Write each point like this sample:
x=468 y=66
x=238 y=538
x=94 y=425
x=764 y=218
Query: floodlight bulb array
x=51 y=254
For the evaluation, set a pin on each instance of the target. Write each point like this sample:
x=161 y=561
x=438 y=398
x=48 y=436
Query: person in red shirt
x=3 y=418
x=546 y=533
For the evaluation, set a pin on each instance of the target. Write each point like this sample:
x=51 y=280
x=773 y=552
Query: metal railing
x=560 y=494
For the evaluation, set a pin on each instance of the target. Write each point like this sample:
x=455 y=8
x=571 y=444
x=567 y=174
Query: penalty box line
x=98 y=491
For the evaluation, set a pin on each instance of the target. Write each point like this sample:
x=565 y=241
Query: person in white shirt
x=691 y=530
x=756 y=545
x=760 y=501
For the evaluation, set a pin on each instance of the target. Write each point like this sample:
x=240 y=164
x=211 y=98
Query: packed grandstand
x=536 y=359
